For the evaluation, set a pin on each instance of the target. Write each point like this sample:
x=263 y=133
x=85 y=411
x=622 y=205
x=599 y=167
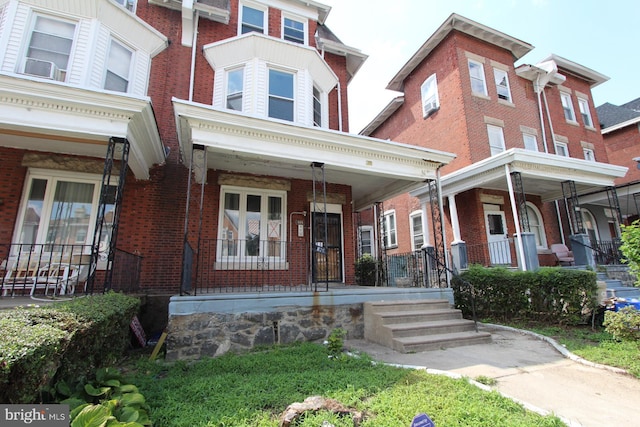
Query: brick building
x=203 y=141
x=531 y=167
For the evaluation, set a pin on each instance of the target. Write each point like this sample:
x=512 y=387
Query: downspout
x=516 y=219
x=538 y=90
x=193 y=57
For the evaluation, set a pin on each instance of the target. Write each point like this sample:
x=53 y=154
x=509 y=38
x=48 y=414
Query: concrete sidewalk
x=535 y=371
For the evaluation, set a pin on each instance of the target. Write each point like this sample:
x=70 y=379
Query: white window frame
x=567 y=107
x=561 y=148
x=496 y=139
x=130 y=5
x=372 y=244
x=126 y=78
x=228 y=93
x=498 y=76
x=241 y=261
x=539 y=231
x=299 y=20
x=589 y=154
x=585 y=112
x=57 y=73
x=530 y=141
x=389 y=229
x=429 y=96
x=480 y=78
x=318 y=105
x=414 y=234
x=278 y=97
x=265 y=16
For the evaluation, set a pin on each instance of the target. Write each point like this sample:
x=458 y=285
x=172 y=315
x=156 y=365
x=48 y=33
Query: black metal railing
x=407 y=270
x=607 y=252
x=492 y=254
x=225 y=265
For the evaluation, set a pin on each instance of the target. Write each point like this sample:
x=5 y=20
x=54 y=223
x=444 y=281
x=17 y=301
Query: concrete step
x=623 y=292
x=431 y=328
x=410 y=316
x=428 y=304
x=440 y=341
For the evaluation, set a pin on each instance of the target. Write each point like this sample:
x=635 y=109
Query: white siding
x=260 y=92
x=303 y=99
x=13 y=55
x=141 y=63
x=99 y=58
x=78 y=63
x=219 y=90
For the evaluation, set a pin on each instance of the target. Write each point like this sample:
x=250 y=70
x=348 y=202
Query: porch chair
x=563 y=254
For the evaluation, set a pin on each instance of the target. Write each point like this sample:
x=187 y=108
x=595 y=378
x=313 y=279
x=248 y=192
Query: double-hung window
x=253 y=19
x=417 y=234
x=293 y=30
x=561 y=148
x=235 y=89
x=476 y=73
x=389 y=233
x=59 y=211
x=281 y=95
x=366 y=240
x=589 y=154
x=502 y=84
x=118 y=67
x=567 y=107
x=49 y=48
x=583 y=105
x=496 y=139
x=530 y=142
x=317 y=108
x=429 y=94
x=251 y=226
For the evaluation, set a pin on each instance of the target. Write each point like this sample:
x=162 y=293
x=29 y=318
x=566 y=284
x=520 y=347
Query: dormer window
x=118 y=67
x=49 y=48
x=253 y=19
x=235 y=88
x=280 y=95
x=293 y=30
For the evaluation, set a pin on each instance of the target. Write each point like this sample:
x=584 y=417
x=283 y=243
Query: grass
x=593 y=344
x=255 y=388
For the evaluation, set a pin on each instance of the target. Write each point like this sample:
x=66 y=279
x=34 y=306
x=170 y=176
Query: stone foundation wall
x=621 y=272
x=193 y=336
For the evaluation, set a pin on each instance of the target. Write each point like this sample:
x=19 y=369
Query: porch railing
x=501 y=253
x=225 y=265
x=607 y=252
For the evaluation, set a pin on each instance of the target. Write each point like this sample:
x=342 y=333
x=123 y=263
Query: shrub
x=366 y=270
x=624 y=324
x=630 y=248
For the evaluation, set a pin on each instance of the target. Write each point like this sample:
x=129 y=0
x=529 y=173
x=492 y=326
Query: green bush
x=630 y=248
x=624 y=324
x=553 y=294
x=63 y=340
x=366 y=270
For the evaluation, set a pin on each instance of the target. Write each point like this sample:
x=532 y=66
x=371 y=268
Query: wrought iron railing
x=410 y=269
x=224 y=265
x=492 y=254
x=607 y=252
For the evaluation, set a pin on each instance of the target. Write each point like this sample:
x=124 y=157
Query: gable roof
x=614 y=117
x=518 y=48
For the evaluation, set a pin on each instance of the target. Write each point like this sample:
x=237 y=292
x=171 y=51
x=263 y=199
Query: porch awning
x=58 y=118
x=375 y=169
x=542 y=174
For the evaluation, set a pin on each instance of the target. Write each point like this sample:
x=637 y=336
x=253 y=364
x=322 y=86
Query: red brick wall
x=622 y=147
x=12 y=176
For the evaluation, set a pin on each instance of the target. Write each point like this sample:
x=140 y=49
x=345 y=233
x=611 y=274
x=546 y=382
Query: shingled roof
x=611 y=115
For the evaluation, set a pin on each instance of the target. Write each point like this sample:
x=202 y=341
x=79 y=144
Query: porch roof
x=542 y=174
x=375 y=169
x=57 y=118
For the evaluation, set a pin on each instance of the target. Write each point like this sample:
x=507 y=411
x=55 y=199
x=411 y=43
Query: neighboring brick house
x=621 y=131
x=526 y=142
x=205 y=123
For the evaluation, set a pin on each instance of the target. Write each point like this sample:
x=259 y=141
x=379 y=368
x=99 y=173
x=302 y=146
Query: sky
x=600 y=35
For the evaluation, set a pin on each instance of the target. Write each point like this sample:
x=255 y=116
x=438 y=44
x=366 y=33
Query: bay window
x=118 y=67
x=281 y=95
x=235 y=89
x=49 y=48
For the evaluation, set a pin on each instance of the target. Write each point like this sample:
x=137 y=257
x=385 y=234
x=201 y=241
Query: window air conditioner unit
x=46 y=69
x=429 y=108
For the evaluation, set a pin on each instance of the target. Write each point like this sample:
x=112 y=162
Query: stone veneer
x=622 y=273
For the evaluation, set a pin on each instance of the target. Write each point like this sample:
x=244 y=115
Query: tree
x=630 y=247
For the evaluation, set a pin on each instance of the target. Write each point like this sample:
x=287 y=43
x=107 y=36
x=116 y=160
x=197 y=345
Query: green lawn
x=255 y=388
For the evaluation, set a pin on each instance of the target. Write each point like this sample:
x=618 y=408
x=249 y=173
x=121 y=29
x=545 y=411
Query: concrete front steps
x=419 y=325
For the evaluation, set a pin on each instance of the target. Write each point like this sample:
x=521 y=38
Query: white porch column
x=425 y=226
x=516 y=219
x=455 y=223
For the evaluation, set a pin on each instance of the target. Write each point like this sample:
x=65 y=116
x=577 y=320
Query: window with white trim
x=118 y=67
x=366 y=241
x=294 y=30
x=502 y=84
x=235 y=89
x=417 y=234
x=589 y=154
x=429 y=94
x=583 y=105
x=281 y=100
x=496 y=139
x=530 y=142
x=567 y=107
x=389 y=233
x=128 y=4
x=536 y=225
x=49 y=48
x=561 y=148
x=476 y=73
x=251 y=225
x=317 y=107
x=60 y=209
x=253 y=18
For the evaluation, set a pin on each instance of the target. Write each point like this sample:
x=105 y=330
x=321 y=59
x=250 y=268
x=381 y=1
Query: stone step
x=428 y=304
x=440 y=341
x=412 y=316
x=623 y=292
x=431 y=328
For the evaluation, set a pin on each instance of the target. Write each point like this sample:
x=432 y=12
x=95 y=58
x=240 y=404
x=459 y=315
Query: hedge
x=553 y=294
x=64 y=340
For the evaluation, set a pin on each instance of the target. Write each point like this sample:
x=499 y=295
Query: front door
x=327 y=253
x=497 y=237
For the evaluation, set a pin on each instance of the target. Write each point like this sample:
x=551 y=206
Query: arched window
x=536 y=225
x=590 y=225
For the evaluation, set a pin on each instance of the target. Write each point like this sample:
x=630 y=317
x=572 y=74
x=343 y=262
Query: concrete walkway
x=535 y=371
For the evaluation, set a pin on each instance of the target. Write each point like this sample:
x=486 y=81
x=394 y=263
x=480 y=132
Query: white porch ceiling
x=375 y=169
